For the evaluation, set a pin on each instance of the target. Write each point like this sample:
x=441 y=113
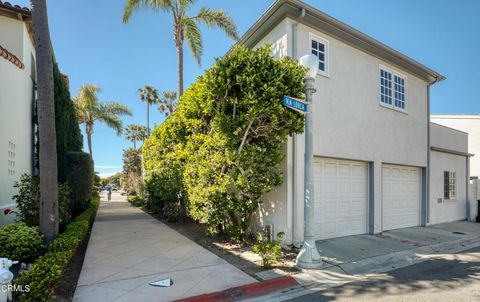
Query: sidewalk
x=128 y=249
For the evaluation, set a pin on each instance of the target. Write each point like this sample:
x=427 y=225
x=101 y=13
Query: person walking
x=109 y=193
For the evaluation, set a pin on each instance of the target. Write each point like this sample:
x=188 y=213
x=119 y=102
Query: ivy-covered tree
x=132 y=168
x=228 y=133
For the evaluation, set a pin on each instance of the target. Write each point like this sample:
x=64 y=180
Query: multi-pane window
x=392 y=89
x=449 y=185
x=385 y=87
x=11 y=159
x=319 y=48
x=399 y=92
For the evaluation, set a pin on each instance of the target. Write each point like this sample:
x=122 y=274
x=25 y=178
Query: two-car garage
x=342 y=196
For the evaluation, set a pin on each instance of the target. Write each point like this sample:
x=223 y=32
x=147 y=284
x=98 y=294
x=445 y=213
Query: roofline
x=317 y=19
x=456 y=116
x=450 y=128
x=15 y=10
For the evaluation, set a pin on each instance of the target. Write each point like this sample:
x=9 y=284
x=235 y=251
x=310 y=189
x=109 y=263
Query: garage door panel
x=400 y=197
x=340 y=198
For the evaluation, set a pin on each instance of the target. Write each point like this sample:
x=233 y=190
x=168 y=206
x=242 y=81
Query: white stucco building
x=469 y=123
x=374 y=167
x=17 y=78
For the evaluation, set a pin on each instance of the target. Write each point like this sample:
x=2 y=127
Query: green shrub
x=48 y=269
x=28 y=198
x=171 y=212
x=268 y=249
x=222 y=149
x=80 y=178
x=136 y=201
x=20 y=242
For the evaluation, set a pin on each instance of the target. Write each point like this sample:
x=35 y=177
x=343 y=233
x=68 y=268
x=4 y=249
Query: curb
x=245 y=291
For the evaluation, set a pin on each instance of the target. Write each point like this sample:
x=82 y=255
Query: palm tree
x=168 y=103
x=136 y=133
x=89 y=109
x=149 y=95
x=184 y=26
x=46 y=122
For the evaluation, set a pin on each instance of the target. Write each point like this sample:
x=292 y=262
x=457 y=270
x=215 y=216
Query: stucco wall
x=442 y=210
x=448 y=138
x=471 y=125
x=15 y=112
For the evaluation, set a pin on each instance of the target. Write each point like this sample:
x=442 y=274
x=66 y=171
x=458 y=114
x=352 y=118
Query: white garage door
x=401 y=197
x=341 y=194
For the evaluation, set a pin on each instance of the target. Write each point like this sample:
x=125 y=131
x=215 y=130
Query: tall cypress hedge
x=69 y=137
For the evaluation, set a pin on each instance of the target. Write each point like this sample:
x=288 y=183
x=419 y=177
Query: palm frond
x=132 y=6
x=194 y=39
x=218 y=18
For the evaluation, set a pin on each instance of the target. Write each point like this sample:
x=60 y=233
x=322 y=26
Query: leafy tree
x=227 y=136
x=49 y=217
x=149 y=95
x=185 y=26
x=136 y=133
x=168 y=103
x=90 y=109
x=132 y=168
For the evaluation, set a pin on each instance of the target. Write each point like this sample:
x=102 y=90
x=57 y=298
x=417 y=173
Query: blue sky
x=93 y=46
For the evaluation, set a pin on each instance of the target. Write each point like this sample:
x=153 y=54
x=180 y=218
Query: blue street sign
x=295 y=104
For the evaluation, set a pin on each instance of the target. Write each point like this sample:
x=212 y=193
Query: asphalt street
x=447 y=277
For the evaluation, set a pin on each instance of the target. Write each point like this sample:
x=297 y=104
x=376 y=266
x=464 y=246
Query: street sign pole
x=309 y=258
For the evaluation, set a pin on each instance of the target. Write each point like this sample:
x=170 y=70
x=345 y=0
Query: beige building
x=374 y=167
x=17 y=84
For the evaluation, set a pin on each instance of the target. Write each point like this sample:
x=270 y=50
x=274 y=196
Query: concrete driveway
x=365 y=254
x=443 y=277
x=128 y=249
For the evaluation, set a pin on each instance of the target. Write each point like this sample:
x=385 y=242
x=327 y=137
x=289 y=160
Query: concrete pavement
x=128 y=249
x=443 y=277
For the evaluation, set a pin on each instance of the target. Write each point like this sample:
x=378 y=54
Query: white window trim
x=454 y=184
x=317 y=38
x=394 y=73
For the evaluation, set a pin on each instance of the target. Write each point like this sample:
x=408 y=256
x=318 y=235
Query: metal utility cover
x=162 y=283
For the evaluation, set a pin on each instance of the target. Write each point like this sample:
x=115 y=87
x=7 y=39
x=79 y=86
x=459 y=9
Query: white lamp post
x=309 y=258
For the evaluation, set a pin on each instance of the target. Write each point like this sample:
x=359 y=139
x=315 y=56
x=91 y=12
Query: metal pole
x=309 y=258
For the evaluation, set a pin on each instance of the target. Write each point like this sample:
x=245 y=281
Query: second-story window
x=319 y=48
x=392 y=89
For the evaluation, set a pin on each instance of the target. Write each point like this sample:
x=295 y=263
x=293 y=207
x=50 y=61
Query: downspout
x=467 y=176
x=427 y=193
x=294 y=137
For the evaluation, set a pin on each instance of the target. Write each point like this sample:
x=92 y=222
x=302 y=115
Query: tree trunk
x=148 y=118
x=135 y=144
x=180 y=69
x=46 y=123
x=88 y=130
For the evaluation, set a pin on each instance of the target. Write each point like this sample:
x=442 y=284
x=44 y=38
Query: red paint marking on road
x=245 y=291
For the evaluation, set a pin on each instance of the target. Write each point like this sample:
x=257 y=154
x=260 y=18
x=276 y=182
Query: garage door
x=341 y=194
x=401 y=197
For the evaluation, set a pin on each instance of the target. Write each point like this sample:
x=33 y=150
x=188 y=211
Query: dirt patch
x=236 y=253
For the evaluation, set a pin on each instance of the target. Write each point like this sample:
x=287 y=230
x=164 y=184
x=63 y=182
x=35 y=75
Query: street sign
x=298 y=105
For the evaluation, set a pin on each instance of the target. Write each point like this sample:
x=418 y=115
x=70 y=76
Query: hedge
x=21 y=242
x=80 y=177
x=48 y=269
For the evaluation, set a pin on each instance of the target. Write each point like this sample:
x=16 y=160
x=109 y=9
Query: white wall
x=442 y=210
x=15 y=110
x=471 y=125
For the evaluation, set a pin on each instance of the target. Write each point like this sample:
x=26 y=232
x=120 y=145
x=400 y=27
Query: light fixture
x=311 y=63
